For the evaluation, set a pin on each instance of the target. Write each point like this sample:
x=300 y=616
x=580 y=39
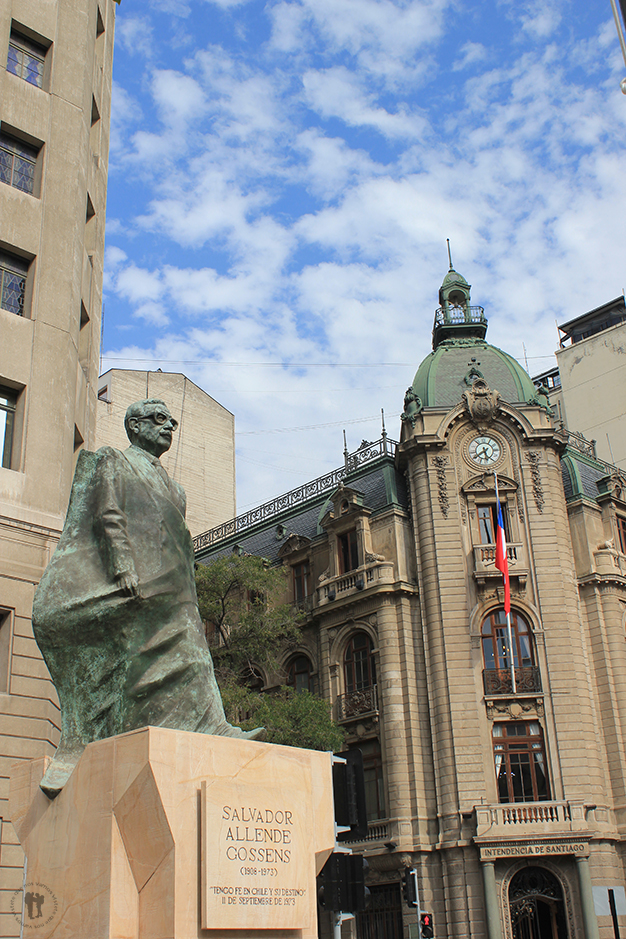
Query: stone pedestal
x=163 y=834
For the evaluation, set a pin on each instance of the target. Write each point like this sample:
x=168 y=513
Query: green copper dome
x=461 y=354
x=450 y=370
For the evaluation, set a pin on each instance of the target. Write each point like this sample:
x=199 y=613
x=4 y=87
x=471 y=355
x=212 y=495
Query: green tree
x=248 y=625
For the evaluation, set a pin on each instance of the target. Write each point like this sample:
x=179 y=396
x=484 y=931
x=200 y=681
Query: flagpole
x=508 y=612
x=508 y=629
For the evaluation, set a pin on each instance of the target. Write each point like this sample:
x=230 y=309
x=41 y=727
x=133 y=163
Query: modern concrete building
x=202 y=457
x=587 y=389
x=55 y=98
x=494 y=758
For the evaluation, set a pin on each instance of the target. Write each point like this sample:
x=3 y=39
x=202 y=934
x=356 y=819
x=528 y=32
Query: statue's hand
x=129 y=583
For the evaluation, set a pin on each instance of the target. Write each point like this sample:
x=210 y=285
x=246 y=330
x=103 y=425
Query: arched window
x=500 y=655
x=359 y=665
x=299 y=674
x=520 y=762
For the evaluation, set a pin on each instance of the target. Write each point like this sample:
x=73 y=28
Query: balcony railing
x=456 y=315
x=530 y=819
x=485 y=561
x=376 y=831
x=370 y=575
x=499 y=680
x=356 y=704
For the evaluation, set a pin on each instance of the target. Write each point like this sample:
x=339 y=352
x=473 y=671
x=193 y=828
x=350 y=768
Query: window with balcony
x=500 y=655
x=301 y=581
x=359 y=671
x=348 y=551
x=8 y=404
x=299 y=675
x=520 y=762
x=486 y=515
x=359 y=664
x=18 y=162
x=13 y=273
x=26 y=59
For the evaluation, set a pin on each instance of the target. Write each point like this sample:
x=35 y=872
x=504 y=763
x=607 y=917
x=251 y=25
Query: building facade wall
x=202 y=456
x=53 y=232
x=423 y=593
x=593 y=383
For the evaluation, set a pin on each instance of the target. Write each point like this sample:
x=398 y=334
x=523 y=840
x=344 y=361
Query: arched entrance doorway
x=536 y=905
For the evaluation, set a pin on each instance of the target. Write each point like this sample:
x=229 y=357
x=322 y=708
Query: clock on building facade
x=484 y=450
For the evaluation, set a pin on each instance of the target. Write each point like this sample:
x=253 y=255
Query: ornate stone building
x=494 y=761
x=55 y=95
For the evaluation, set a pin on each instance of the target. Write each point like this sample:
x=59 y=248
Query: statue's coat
x=118 y=661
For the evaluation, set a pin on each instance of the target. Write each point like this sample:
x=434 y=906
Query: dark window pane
x=8 y=401
x=485 y=524
x=621 y=530
x=299 y=674
x=301 y=574
x=348 y=552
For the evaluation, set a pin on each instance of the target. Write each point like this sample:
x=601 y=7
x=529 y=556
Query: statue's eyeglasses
x=160 y=417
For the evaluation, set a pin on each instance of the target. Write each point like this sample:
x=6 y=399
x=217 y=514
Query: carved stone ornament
x=481 y=403
x=293 y=543
x=533 y=458
x=514 y=710
x=370 y=557
x=440 y=462
x=412 y=407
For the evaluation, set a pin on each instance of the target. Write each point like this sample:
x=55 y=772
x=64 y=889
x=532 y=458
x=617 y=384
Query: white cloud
x=312 y=179
x=337 y=92
x=471 y=52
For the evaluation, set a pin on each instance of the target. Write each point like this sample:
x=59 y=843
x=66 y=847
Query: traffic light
x=349 y=795
x=341 y=883
x=410 y=891
x=426 y=926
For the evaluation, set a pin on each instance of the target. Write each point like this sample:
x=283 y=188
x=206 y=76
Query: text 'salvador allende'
x=252 y=829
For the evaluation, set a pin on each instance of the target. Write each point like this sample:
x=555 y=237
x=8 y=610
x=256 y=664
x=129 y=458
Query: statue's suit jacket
x=121 y=662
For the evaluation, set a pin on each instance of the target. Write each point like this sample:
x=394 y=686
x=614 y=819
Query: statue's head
x=149 y=425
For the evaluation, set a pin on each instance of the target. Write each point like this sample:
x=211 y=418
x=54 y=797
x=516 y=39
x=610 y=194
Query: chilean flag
x=502 y=561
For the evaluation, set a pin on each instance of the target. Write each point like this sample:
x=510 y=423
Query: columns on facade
x=492 y=907
x=590 y=920
x=391 y=691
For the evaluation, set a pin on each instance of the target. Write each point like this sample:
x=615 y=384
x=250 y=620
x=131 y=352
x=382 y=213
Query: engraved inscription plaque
x=258 y=856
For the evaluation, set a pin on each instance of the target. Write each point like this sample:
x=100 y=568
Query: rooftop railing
x=367 y=453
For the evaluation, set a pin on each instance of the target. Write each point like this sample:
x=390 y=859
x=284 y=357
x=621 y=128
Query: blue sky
x=284 y=175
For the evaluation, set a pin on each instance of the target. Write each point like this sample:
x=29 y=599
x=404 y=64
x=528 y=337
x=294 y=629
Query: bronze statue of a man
x=116 y=613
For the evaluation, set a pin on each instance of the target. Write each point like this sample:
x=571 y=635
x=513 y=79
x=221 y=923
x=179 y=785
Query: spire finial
x=449 y=254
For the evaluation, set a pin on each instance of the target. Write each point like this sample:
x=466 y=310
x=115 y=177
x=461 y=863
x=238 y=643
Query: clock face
x=485 y=451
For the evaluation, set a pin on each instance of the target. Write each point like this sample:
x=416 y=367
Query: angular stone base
x=163 y=834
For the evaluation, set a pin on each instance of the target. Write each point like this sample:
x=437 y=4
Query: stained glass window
x=26 y=59
x=13 y=271
x=17 y=163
